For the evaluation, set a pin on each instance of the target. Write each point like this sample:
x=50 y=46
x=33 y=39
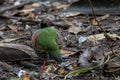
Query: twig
x=105 y=34
x=93 y=12
x=16 y=6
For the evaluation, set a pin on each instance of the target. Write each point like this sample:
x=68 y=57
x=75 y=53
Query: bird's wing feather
x=35 y=42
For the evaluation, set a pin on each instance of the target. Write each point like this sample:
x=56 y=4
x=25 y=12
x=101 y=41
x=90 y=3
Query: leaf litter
x=80 y=51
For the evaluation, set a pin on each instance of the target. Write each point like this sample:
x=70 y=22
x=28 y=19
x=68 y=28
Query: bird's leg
x=55 y=63
x=44 y=63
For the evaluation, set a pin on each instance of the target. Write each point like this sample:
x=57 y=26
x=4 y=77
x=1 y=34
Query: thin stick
x=93 y=12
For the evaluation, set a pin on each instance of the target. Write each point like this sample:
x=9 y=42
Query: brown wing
x=35 y=42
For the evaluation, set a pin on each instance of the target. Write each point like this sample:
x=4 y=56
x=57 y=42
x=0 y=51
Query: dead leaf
x=113 y=67
x=31 y=16
x=10 y=13
x=88 y=54
x=63 y=51
x=13 y=52
x=25 y=76
x=62 y=71
x=93 y=21
x=63 y=23
x=74 y=30
x=69 y=14
x=14 y=28
x=103 y=17
x=62 y=7
x=50 y=69
x=26 y=11
x=58 y=5
x=108 y=37
x=101 y=36
x=36 y=5
x=117 y=19
x=5 y=66
x=111 y=52
x=9 y=40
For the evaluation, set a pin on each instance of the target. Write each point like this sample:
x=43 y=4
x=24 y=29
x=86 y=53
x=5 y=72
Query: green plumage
x=44 y=40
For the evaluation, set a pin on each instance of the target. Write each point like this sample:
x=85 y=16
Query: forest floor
x=83 y=43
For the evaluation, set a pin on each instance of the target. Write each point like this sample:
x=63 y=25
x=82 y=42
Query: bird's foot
x=44 y=64
x=55 y=63
x=42 y=68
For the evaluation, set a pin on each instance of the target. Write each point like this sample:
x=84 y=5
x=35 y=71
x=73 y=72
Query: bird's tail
x=56 y=55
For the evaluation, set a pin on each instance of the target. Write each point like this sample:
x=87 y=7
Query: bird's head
x=46 y=23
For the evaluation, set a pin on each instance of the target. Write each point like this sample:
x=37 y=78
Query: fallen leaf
x=101 y=36
x=57 y=5
x=36 y=5
x=25 y=76
x=9 y=14
x=5 y=66
x=26 y=11
x=62 y=71
x=14 y=52
x=9 y=40
x=63 y=51
x=108 y=37
x=74 y=30
x=50 y=69
x=103 y=17
x=31 y=16
x=88 y=54
x=113 y=67
x=93 y=21
x=14 y=28
x=69 y=14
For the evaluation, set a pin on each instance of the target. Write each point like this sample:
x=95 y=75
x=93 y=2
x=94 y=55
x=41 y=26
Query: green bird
x=45 y=44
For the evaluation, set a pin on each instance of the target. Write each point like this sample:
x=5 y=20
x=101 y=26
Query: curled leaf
x=13 y=52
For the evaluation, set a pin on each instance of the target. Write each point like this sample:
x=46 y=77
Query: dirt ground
x=77 y=47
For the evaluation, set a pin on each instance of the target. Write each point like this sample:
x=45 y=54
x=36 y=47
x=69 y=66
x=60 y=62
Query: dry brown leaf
x=5 y=66
x=58 y=5
x=103 y=17
x=69 y=14
x=93 y=21
x=9 y=40
x=50 y=69
x=113 y=67
x=62 y=7
x=15 y=29
x=74 y=30
x=62 y=71
x=70 y=52
x=89 y=53
x=26 y=11
x=111 y=52
x=36 y=5
x=101 y=36
x=25 y=76
x=10 y=13
x=13 y=52
x=117 y=19
x=31 y=16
